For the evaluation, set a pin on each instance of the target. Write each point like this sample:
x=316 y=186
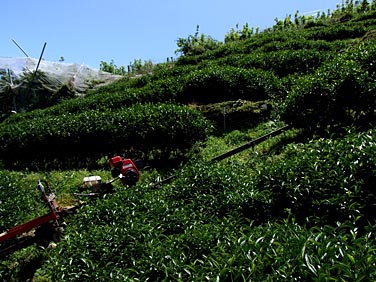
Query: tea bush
x=305 y=213
x=18 y=203
x=282 y=62
x=339 y=32
x=225 y=221
x=215 y=84
x=339 y=93
x=232 y=115
x=78 y=139
x=324 y=181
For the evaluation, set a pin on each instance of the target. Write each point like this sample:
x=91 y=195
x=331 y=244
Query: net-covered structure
x=27 y=83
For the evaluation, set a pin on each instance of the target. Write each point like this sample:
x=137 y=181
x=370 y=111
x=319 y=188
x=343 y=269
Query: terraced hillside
x=297 y=207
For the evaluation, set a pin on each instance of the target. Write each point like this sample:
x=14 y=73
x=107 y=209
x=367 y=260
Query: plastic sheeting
x=79 y=77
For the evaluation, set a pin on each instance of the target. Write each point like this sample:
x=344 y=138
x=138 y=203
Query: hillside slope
x=297 y=207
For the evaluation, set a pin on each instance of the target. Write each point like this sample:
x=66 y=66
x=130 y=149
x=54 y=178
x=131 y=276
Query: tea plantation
x=299 y=206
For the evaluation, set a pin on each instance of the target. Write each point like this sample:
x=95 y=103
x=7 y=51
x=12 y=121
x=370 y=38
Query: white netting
x=78 y=76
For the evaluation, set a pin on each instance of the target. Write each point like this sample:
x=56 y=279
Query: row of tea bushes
x=228 y=222
x=87 y=136
x=324 y=181
x=210 y=84
x=282 y=63
x=340 y=93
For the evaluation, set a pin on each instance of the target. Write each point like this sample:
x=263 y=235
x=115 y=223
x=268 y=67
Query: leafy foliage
x=298 y=212
x=217 y=84
x=111 y=67
x=296 y=184
x=340 y=93
x=223 y=222
x=196 y=44
x=85 y=137
x=135 y=68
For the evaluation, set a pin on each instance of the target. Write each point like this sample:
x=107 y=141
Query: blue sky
x=91 y=31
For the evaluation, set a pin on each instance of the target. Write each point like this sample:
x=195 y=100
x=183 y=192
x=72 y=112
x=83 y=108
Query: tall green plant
x=196 y=44
x=111 y=67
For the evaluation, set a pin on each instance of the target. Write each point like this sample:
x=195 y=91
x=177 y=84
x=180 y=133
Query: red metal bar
x=19 y=229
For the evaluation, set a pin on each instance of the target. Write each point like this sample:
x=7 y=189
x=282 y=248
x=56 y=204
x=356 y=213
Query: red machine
x=125 y=169
x=46 y=226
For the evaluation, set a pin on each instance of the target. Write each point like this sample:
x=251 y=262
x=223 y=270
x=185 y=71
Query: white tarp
x=78 y=76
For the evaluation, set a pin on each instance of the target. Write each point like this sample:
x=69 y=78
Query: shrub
x=339 y=93
x=325 y=181
x=238 y=114
x=196 y=228
x=76 y=139
x=215 y=84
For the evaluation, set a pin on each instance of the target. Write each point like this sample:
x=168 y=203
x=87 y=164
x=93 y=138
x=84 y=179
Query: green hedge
x=91 y=134
x=19 y=202
x=340 y=93
x=215 y=84
x=228 y=222
x=324 y=182
x=232 y=115
x=282 y=63
x=324 y=38
x=114 y=97
x=339 y=31
x=304 y=44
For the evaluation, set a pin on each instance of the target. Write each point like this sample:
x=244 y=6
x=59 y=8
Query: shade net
x=78 y=76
